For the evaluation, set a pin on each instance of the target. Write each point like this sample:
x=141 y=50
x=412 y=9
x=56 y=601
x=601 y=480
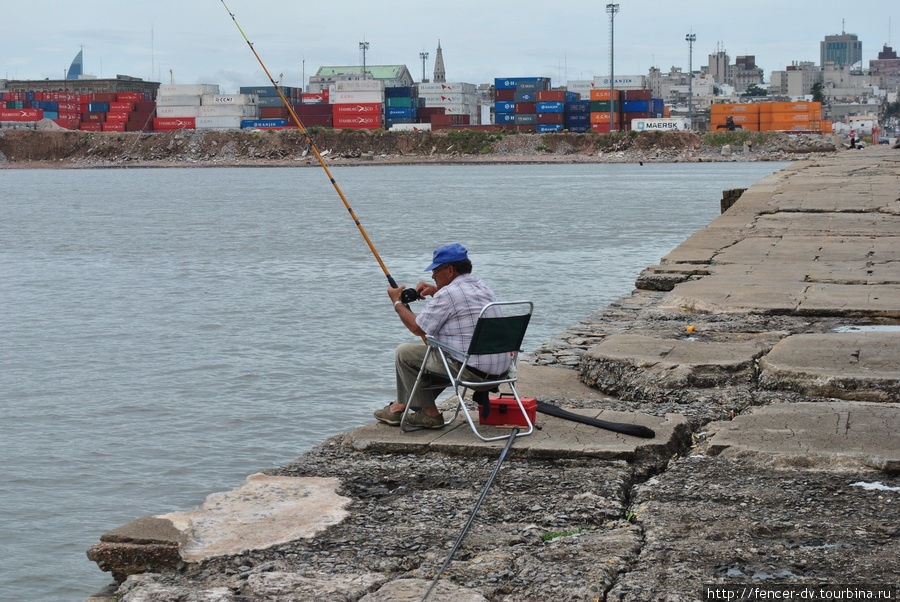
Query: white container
x=244 y=111
x=187 y=89
x=192 y=111
x=622 y=82
x=459 y=109
x=411 y=127
x=440 y=88
x=228 y=99
x=348 y=97
x=219 y=123
x=177 y=101
x=358 y=85
x=664 y=125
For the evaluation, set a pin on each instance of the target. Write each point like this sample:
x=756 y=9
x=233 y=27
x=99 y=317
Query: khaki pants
x=408 y=360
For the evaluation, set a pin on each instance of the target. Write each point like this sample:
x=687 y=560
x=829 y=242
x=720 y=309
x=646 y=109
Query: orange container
x=603 y=118
x=598 y=94
x=747 y=108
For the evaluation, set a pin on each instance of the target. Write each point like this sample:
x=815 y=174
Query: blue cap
x=447 y=254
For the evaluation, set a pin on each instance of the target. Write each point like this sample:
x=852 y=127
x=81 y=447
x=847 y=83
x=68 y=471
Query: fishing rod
x=409 y=294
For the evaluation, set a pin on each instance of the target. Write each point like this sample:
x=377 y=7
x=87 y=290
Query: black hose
x=625 y=428
x=490 y=481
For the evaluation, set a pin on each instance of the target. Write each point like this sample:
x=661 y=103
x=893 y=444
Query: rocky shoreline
x=762 y=351
x=43 y=149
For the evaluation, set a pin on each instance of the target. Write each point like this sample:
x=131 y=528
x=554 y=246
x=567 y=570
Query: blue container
x=530 y=86
x=524 y=96
x=262 y=90
x=51 y=115
x=504 y=106
x=636 y=106
x=270 y=101
x=544 y=128
x=29 y=96
x=578 y=129
x=551 y=107
x=581 y=107
x=504 y=118
x=262 y=123
x=389 y=122
x=510 y=83
x=657 y=106
x=399 y=92
x=400 y=113
x=46 y=105
x=98 y=107
x=582 y=119
x=572 y=97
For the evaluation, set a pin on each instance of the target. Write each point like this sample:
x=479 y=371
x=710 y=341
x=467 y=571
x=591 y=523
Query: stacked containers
x=522 y=92
x=790 y=116
x=269 y=102
x=178 y=105
x=226 y=111
x=357 y=104
x=551 y=110
x=603 y=107
x=637 y=104
x=459 y=101
x=578 y=115
x=745 y=115
x=400 y=106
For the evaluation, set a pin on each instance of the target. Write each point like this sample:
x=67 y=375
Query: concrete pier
x=764 y=351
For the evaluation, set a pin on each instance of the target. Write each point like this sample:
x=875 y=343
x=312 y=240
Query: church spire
x=440 y=75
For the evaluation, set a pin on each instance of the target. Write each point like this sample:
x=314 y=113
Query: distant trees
x=817 y=94
x=754 y=90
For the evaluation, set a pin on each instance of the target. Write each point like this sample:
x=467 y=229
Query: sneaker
x=386 y=416
x=423 y=420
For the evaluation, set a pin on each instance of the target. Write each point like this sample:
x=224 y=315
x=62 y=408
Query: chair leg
x=412 y=392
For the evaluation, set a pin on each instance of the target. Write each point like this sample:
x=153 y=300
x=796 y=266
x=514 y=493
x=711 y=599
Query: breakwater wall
x=762 y=351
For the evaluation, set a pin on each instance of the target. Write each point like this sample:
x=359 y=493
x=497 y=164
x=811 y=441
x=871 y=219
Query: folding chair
x=500 y=329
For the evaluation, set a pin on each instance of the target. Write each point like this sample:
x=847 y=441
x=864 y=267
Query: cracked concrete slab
x=846 y=435
x=862 y=366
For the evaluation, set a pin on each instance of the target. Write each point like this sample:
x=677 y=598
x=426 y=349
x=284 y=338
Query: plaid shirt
x=451 y=315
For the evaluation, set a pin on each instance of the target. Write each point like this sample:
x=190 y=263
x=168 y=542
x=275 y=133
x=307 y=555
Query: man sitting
x=457 y=299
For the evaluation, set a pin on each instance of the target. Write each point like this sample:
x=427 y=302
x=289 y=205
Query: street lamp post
x=612 y=9
x=691 y=38
x=424 y=57
x=364 y=46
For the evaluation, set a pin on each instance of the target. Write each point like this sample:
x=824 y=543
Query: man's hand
x=394 y=293
x=426 y=289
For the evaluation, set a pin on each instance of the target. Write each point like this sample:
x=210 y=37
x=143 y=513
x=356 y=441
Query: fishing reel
x=409 y=295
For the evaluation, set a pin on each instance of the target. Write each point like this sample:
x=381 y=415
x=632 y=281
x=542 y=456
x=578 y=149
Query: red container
x=314 y=98
x=553 y=118
x=600 y=127
x=21 y=114
x=93 y=117
x=429 y=111
x=635 y=115
x=85 y=98
x=69 y=107
x=117 y=117
x=91 y=126
x=103 y=97
x=313 y=110
x=526 y=108
x=121 y=107
x=505 y=95
x=165 y=124
x=358 y=108
x=317 y=120
x=638 y=95
x=504 y=411
x=67 y=122
x=551 y=96
x=114 y=126
x=139 y=126
x=143 y=106
x=273 y=113
x=357 y=122
x=129 y=96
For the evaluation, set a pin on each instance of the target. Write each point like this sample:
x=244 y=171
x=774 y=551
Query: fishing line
x=314 y=149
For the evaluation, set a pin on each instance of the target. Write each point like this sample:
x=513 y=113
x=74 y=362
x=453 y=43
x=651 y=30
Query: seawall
x=762 y=351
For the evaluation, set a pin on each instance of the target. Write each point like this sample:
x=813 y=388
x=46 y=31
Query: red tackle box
x=504 y=411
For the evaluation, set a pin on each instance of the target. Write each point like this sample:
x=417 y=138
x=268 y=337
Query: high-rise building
x=886 y=68
x=843 y=50
x=440 y=74
x=744 y=73
x=718 y=66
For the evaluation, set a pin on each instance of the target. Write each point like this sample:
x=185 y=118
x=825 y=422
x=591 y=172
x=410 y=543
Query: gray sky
x=198 y=41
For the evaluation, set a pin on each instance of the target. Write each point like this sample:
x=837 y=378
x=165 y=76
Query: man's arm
x=406 y=315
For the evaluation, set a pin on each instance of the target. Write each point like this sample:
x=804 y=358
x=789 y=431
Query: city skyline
x=199 y=42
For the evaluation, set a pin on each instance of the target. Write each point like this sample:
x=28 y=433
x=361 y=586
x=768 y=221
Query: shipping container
x=602 y=128
x=411 y=127
x=604 y=106
x=525 y=96
x=90 y=126
x=113 y=126
x=551 y=96
x=357 y=108
x=578 y=107
x=273 y=113
x=578 y=129
x=550 y=118
x=400 y=113
x=102 y=97
x=97 y=117
x=97 y=107
x=307 y=110
x=374 y=96
x=317 y=120
x=504 y=118
x=366 y=122
x=599 y=117
x=550 y=106
x=399 y=92
x=144 y=106
x=358 y=85
x=263 y=123
x=315 y=98
x=636 y=106
x=603 y=94
x=226 y=110
x=117 y=117
x=504 y=107
x=269 y=101
x=508 y=94
x=197 y=90
x=218 y=123
x=178 y=111
x=129 y=96
x=446 y=87
x=526 y=118
x=502 y=83
x=121 y=107
x=638 y=95
x=578 y=119
x=401 y=102
x=545 y=128
x=228 y=99
x=178 y=101
x=162 y=124
x=621 y=82
x=526 y=107
x=734 y=109
x=664 y=125
x=51 y=115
